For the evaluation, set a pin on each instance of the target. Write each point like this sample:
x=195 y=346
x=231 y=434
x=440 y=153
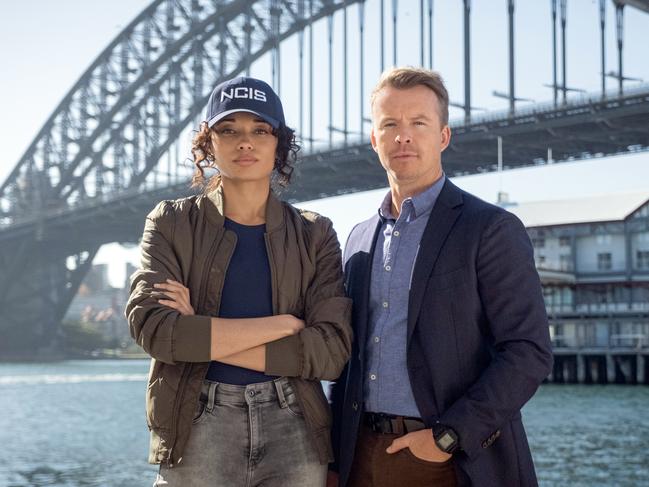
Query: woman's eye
x=261 y=131
x=226 y=131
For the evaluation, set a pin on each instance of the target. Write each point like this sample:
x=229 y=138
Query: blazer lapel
x=440 y=222
x=362 y=294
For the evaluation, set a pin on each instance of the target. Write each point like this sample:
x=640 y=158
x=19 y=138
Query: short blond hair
x=409 y=77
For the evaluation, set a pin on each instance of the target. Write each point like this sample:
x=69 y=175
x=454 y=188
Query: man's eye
x=419 y=122
x=261 y=132
x=389 y=125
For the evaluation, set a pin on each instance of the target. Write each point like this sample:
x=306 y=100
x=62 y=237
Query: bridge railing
x=573 y=101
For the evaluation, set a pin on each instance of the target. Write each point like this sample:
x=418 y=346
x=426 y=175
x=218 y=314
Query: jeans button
x=251 y=393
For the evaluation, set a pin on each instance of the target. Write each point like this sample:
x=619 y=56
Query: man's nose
x=403 y=138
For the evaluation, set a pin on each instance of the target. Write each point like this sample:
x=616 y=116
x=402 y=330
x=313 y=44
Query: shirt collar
x=422 y=203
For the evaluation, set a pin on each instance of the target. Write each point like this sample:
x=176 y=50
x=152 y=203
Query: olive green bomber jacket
x=185 y=240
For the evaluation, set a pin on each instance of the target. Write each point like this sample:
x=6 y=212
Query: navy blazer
x=478 y=342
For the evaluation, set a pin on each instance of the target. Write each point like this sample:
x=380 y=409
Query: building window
x=538 y=242
x=564 y=241
x=642 y=259
x=604 y=239
x=565 y=262
x=540 y=260
x=604 y=261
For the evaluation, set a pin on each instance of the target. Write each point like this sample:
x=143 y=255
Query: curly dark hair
x=285 y=157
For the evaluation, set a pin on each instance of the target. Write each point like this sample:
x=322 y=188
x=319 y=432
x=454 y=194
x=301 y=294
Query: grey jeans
x=252 y=435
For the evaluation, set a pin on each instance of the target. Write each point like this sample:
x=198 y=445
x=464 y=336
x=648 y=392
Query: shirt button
x=388 y=268
x=355 y=406
x=377 y=339
x=395 y=233
x=372 y=376
x=385 y=304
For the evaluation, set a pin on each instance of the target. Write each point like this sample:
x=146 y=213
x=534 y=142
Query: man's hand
x=332 y=478
x=178 y=296
x=421 y=444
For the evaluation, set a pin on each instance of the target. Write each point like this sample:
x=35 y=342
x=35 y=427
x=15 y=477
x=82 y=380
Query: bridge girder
x=111 y=131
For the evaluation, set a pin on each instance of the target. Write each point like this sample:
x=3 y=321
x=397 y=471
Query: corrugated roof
x=602 y=208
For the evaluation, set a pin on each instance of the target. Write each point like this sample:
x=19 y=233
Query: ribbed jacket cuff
x=284 y=357
x=192 y=339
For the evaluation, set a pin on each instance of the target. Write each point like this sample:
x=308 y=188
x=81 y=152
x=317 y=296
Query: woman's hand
x=291 y=325
x=178 y=296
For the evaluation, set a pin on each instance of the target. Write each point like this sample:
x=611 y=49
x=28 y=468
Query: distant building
x=101 y=306
x=593 y=258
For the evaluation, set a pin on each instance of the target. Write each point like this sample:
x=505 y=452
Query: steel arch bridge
x=109 y=151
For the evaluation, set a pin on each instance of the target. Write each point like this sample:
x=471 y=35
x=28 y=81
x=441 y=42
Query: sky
x=46 y=45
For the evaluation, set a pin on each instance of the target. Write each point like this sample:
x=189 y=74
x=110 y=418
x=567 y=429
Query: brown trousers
x=373 y=467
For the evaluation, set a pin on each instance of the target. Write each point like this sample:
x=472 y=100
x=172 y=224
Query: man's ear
x=373 y=139
x=446 y=137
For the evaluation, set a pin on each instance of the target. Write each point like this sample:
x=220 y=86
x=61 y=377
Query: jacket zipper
x=227 y=264
x=188 y=367
x=292 y=380
x=183 y=382
x=273 y=274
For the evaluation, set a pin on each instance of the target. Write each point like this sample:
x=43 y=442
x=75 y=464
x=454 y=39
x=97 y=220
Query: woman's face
x=244 y=147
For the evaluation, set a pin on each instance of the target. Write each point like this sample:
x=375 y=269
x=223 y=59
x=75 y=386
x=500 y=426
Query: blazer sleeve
x=161 y=331
x=322 y=348
x=512 y=301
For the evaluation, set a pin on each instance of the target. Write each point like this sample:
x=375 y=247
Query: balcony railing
x=598 y=308
x=628 y=341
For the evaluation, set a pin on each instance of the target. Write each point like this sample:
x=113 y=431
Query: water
x=81 y=423
x=76 y=423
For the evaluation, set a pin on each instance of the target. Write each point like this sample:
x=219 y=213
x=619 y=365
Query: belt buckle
x=385 y=424
x=388 y=424
x=378 y=423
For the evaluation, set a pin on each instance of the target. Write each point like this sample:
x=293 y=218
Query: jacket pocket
x=161 y=394
x=315 y=404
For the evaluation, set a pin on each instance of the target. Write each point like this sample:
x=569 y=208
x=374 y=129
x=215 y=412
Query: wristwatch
x=445 y=438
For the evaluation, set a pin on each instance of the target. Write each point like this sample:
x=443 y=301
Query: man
x=451 y=333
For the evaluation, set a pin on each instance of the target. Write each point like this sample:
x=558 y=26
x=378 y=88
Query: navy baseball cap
x=243 y=94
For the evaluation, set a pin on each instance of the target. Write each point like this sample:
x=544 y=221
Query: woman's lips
x=245 y=161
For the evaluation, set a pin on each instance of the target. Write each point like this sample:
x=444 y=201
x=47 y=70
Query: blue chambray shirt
x=387 y=386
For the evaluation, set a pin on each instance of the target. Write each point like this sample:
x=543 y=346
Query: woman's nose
x=245 y=143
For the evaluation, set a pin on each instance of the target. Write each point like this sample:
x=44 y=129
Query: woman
x=240 y=303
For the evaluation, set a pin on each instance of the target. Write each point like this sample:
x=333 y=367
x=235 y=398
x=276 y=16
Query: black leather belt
x=391 y=424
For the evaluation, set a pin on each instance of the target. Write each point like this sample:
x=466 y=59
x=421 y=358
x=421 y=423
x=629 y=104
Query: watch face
x=445 y=441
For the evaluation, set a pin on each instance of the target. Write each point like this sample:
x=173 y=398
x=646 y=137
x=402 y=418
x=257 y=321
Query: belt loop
x=211 y=396
x=280 y=393
x=398 y=426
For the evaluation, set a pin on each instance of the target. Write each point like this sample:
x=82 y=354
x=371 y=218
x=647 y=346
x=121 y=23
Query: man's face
x=407 y=135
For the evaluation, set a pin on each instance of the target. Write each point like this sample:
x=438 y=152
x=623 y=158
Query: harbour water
x=81 y=423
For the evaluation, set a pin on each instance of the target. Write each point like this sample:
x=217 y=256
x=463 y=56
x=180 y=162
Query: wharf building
x=592 y=255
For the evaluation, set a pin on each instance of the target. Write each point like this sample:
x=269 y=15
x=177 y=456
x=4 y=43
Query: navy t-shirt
x=246 y=293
